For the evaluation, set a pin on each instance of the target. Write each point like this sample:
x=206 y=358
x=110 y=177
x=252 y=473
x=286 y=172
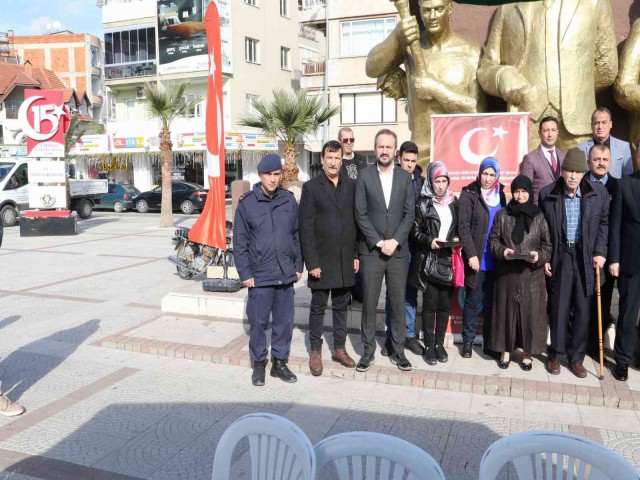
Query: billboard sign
x=182 y=37
x=43 y=118
x=46 y=171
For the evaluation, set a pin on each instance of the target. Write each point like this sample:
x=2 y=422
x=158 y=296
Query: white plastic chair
x=542 y=455
x=384 y=457
x=279 y=449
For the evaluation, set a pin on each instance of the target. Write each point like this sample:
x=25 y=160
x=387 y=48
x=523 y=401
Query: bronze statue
x=627 y=86
x=549 y=58
x=440 y=69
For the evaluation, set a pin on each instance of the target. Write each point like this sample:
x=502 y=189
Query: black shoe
x=430 y=356
x=280 y=370
x=257 y=377
x=388 y=348
x=441 y=353
x=504 y=365
x=621 y=372
x=526 y=366
x=413 y=345
x=401 y=362
x=467 y=349
x=365 y=362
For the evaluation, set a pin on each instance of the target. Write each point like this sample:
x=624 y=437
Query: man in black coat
x=328 y=237
x=625 y=264
x=577 y=212
x=599 y=164
x=385 y=210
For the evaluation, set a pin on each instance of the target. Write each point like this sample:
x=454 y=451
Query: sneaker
x=441 y=353
x=413 y=345
x=9 y=408
x=430 y=356
x=467 y=349
x=257 y=377
x=280 y=370
x=401 y=362
x=365 y=362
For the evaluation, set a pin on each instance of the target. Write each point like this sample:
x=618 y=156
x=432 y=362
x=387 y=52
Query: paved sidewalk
x=74 y=309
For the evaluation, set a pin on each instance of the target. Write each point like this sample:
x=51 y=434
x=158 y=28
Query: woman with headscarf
x=520 y=302
x=479 y=204
x=436 y=222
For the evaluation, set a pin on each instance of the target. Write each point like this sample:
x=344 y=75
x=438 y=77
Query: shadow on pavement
x=5 y=322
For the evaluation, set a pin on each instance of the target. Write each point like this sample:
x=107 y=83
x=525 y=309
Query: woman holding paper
x=520 y=242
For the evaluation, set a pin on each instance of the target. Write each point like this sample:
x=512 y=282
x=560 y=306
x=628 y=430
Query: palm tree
x=289 y=116
x=166 y=103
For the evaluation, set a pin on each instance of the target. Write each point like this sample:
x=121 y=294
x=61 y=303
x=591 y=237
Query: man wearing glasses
x=352 y=162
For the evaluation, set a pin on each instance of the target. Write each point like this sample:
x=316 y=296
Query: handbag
x=437 y=270
x=458 y=267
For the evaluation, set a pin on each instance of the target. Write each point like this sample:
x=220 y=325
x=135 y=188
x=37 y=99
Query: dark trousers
x=339 y=303
x=263 y=302
x=394 y=271
x=476 y=300
x=568 y=309
x=626 y=330
x=435 y=313
x=606 y=294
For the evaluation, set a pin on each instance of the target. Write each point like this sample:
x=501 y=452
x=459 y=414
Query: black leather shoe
x=467 y=349
x=430 y=356
x=441 y=353
x=504 y=365
x=365 y=362
x=401 y=362
x=388 y=348
x=280 y=370
x=526 y=366
x=257 y=377
x=413 y=345
x=621 y=372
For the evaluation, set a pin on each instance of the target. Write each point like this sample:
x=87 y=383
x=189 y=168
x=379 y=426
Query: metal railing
x=311 y=4
x=313 y=66
x=308 y=33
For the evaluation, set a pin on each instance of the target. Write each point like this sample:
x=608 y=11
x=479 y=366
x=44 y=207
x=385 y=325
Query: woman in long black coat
x=520 y=297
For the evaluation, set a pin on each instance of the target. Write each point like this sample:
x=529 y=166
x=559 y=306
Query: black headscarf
x=524 y=213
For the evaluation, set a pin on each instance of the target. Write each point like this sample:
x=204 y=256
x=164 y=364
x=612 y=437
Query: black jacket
x=425 y=228
x=594 y=222
x=328 y=231
x=473 y=226
x=625 y=225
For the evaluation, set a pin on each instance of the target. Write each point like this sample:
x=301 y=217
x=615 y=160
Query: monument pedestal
x=36 y=223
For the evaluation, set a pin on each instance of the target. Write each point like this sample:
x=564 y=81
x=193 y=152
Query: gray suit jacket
x=536 y=166
x=621 y=163
x=374 y=220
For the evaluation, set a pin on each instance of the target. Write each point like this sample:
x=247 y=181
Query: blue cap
x=269 y=163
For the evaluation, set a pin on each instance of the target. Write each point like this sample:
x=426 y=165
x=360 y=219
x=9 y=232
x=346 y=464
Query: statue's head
x=394 y=84
x=436 y=14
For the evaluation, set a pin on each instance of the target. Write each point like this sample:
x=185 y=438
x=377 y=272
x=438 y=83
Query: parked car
x=118 y=197
x=186 y=196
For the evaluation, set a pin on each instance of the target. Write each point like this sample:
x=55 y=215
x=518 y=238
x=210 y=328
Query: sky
x=31 y=17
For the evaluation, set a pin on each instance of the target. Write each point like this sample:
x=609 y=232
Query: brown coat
x=520 y=298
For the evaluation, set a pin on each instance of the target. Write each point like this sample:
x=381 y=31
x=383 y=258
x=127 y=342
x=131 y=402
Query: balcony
x=308 y=33
x=313 y=70
x=312 y=11
x=96 y=71
x=146 y=69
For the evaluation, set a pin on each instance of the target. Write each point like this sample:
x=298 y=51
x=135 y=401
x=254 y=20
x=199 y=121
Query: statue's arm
x=385 y=56
x=491 y=65
x=626 y=88
x=606 y=58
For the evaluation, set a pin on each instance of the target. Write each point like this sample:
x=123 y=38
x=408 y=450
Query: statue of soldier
x=447 y=82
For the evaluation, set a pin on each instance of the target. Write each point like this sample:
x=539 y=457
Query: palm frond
x=167 y=102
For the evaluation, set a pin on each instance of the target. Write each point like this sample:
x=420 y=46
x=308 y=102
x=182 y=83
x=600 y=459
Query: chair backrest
x=543 y=455
x=279 y=450
x=375 y=456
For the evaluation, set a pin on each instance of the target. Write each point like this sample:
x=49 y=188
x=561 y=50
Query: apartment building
x=164 y=40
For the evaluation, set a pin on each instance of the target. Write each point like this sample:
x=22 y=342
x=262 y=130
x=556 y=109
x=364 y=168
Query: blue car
x=118 y=197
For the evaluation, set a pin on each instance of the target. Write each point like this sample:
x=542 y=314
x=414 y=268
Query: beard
x=383 y=162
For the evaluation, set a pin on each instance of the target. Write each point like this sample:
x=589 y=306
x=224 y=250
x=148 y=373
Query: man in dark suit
x=625 y=264
x=577 y=212
x=328 y=237
x=543 y=164
x=352 y=162
x=599 y=164
x=385 y=210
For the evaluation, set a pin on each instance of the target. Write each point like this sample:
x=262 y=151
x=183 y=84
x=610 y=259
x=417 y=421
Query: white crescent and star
x=474 y=158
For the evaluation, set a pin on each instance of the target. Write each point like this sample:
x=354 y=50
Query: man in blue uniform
x=266 y=250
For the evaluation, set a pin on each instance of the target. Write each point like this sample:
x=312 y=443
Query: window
x=360 y=36
x=250 y=107
x=131 y=110
x=251 y=53
x=285 y=58
x=197 y=110
x=130 y=53
x=367 y=107
x=112 y=107
x=284 y=8
x=253 y=3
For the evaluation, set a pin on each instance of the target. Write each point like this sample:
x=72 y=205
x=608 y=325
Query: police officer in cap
x=267 y=254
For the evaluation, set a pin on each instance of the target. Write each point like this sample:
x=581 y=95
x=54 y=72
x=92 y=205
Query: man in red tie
x=542 y=165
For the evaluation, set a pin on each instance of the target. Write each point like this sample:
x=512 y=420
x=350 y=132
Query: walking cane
x=600 y=343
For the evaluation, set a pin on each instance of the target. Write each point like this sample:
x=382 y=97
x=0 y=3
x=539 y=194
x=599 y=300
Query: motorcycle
x=193 y=258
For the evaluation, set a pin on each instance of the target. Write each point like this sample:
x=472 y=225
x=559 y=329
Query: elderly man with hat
x=577 y=212
x=267 y=254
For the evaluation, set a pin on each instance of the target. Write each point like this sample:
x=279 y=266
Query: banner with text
x=463 y=141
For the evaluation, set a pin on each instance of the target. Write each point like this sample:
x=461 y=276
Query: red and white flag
x=463 y=141
x=210 y=227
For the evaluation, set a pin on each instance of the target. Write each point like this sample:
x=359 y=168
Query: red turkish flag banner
x=210 y=227
x=44 y=118
x=461 y=142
